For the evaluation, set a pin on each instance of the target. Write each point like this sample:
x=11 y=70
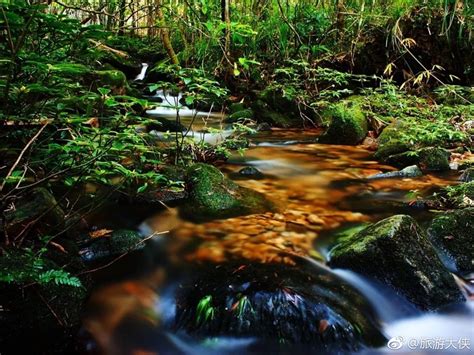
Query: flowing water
x=143 y=301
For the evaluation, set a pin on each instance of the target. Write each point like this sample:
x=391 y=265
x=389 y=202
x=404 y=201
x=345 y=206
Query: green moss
x=265 y=113
x=212 y=195
x=240 y=115
x=461 y=195
x=433 y=158
x=396 y=251
x=453 y=233
x=112 y=78
x=347 y=123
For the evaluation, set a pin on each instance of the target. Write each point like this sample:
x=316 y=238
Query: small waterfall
x=142 y=74
x=170 y=106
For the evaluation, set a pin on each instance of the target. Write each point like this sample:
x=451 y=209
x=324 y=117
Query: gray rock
x=397 y=252
x=408 y=172
x=453 y=233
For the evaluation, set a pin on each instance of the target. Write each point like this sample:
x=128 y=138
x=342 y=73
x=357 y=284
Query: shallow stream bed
x=165 y=298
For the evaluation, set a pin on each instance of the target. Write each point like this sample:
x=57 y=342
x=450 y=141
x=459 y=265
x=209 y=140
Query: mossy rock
x=110 y=78
x=396 y=251
x=347 y=124
x=119 y=242
x=429 y=159
x=453 y=233
x=458 y=196
x=390 y=148
x=212 y=195
x=240 y=116
x=434 y=159
x=236 y=107
x=263 y=112
x=125 y=63
x=162 y=124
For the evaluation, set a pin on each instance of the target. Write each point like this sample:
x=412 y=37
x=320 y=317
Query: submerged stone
x=249 y=172
x=347 y=124
x=212 y=195
x=119 y=242
x=453 y=233
x=294 y=306
x=396 y=251
x=408 y=172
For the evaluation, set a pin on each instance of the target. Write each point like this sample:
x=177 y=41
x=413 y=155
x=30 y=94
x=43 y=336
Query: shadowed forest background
x=224 y=158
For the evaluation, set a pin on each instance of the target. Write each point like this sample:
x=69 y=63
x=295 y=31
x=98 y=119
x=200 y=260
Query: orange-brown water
x=317 y=188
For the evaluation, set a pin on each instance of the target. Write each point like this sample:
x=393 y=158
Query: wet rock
x=119 y=242
x=120 y=60
x=113 y=79
x=37 y=210
x=162 y=124
x=304 y=305
x=429 y=159
x=458 y=196
x=453 y=233
x=264 y=127
x=397 y=251
x=347 y=124
x=408 y=172
x=249 y=172
x=467 y=175
x=263 y=112
x=245 y=114
x=434 y=159
x=212 y=195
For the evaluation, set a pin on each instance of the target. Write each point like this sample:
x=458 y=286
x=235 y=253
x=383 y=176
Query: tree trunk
x=165 y=34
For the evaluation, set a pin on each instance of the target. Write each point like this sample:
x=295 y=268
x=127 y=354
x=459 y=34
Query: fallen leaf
x=100 y=233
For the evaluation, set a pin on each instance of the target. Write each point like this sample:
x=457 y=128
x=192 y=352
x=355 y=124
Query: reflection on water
x=317 y=188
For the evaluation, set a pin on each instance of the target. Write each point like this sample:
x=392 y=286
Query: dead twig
x=21 y=156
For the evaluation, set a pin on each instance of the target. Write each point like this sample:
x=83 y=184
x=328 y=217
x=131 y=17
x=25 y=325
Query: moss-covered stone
x=263 y=112
x=162 y=124
x=458 y=196
x=110 y=78
x=396 y=251
x=434 y=159
x=429 y=158
x=212 y=195
x=453 y=233
x=121 y=241
x=240 y=116
x=347 y=124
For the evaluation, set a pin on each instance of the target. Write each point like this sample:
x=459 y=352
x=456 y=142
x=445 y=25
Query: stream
x=146 y=301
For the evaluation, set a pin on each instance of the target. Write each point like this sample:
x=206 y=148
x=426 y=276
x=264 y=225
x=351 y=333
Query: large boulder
x=212 y=195
x=347 y=124
x=429 y=158
x=453 y=233
x=303 y=306
x=396 y=251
